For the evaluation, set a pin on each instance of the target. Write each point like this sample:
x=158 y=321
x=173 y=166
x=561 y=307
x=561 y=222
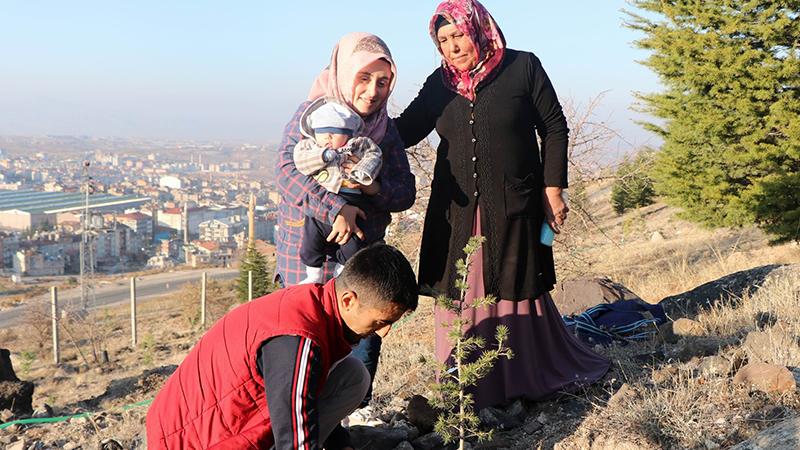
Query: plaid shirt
x=303 y=196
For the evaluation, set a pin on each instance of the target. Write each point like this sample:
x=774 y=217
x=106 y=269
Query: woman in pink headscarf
x=361 y=75
x=491 y=178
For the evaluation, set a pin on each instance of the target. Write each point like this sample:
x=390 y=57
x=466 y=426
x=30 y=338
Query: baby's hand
x=347 y=166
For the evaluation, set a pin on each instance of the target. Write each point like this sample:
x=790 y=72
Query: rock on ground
x=766 y=377
x=760 y=345
x=421 y=413
x=17 y=396
x=496 y=418
x=576 y=296
x=374 y=437
x=783 y=436
x=429 y=441
x=733 y=286
x=715 y=366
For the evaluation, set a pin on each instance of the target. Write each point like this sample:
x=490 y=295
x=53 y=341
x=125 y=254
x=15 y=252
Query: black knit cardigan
x=489 y=156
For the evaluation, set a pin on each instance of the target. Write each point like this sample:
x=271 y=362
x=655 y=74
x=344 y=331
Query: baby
x=330 y=128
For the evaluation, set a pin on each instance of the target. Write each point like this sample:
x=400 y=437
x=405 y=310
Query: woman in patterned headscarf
x=491 y=178
x=361 y=74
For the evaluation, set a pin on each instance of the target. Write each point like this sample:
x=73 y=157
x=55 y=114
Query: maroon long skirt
x=548 y=359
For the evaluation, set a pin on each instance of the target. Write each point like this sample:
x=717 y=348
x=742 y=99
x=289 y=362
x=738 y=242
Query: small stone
x=623 y=396
x=656 y=237
x=687 y=327
x=715 y=365
x=517 y=409
x=398 y=417
x=374 y=437
x=761 y=345
x=498 y=419
x=542 y=418
x=710 y=445
x=421 y=413
x=765 y=319
x=532 y=426
x=6 y=415
x=410 y=430
x=71 y=446
x=405 y=445
x=429 y=441
x=17 y=445
x=766 y=377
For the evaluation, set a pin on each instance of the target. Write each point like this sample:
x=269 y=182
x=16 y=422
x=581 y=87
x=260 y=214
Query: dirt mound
x=131 y=389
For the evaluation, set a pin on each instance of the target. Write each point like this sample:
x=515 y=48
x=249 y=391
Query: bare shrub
x=220 y=296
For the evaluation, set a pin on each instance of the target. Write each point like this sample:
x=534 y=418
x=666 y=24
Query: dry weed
x=690 y=410
x=779 y=298
x=407 y=364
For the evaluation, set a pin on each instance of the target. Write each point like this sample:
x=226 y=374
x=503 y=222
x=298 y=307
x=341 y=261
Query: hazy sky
x=237 y=70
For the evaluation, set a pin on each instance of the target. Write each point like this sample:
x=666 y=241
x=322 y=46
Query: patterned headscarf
x=472 y=19
x=354 y=52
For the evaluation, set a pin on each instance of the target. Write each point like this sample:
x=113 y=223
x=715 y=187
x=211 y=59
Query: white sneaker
x=362 y=416
x=313 y=275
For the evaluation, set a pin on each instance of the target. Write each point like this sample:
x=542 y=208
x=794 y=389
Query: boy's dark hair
x=380 y=273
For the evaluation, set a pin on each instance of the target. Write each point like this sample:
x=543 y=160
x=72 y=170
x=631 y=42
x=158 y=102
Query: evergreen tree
x=778 y=206
x=253 y=261
x=470 y=361
x=633 y=187
x=731 y=105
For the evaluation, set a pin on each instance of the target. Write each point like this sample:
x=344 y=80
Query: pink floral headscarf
x=354 y=52
x=472 y=19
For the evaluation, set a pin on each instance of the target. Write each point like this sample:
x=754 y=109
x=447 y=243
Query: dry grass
x=693 y=410
x=407 y=363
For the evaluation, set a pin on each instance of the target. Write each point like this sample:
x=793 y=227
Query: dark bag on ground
x=621 y=321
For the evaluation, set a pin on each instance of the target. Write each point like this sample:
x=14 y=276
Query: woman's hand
x=371 y=189
x=345 y=225
x=555 y=210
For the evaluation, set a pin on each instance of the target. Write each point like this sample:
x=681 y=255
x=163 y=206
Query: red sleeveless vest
x=215 y=399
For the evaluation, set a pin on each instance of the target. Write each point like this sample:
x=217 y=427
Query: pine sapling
x=469 y=362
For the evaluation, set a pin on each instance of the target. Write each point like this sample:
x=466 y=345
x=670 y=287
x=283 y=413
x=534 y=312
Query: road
x=109 y=293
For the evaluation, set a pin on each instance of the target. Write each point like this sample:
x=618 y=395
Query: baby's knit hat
x=334 y=118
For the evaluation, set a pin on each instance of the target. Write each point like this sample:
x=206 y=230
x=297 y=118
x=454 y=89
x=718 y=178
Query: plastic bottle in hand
x=547 y=235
